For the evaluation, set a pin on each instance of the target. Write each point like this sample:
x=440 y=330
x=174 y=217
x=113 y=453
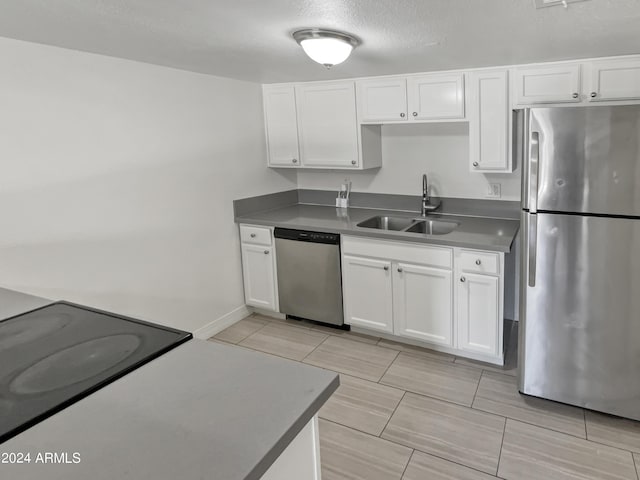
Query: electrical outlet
x=493 y=191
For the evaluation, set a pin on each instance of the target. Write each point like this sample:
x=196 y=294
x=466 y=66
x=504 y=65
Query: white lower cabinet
x=366 y=284
x=259 y=268
x=478 y=309
x=409 y=290
x=422 y=303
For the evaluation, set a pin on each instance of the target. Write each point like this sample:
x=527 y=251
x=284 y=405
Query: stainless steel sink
x=387 y=223
x=432 y=227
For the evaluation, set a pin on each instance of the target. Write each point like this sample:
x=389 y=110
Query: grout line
x=504 y=432
x=407 y=465
x=633 y=459
x=316 y=347
x=390 y=416
x=387 y=369
x=473 y=400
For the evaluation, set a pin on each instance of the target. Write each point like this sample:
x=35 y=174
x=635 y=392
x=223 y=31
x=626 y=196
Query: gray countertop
x=483 y=233
x=202 y=411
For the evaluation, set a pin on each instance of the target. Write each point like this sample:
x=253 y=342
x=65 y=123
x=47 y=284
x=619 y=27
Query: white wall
x=408 y=151
x=117 y=180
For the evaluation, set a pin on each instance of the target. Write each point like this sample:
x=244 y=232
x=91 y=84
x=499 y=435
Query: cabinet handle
x=353 y=162
x=478 y=262
x=253 y=235
x=399 y=270
x=475 y=164
x=386 y=268
x=594 y=94
x=462 y=279
x=415 y=114
x=266 y=252
x=294 y=160
x=575 y=95
x=402 y=115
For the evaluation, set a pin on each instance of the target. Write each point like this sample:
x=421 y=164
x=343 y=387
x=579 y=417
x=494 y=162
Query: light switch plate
x=493 y=190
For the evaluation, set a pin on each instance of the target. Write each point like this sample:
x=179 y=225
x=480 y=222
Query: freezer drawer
x=580 y=311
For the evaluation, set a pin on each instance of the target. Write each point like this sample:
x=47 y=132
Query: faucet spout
x=427 y=205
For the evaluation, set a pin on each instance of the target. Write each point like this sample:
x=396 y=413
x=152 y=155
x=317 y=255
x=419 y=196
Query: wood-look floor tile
x=443 y=380
x=532 y=453
x=351 y=335
x=499 y=394
x=614 y=431
x=449 y=431
x=403 y=347
x=240 y=330
x=353 y=358
x=361 y=404
x=347 y=454
x=289 y=322
x=427 y=467
x=506 y=370
x=289 y=342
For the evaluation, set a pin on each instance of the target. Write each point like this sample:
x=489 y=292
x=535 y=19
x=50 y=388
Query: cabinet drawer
x=399 y=251
x=480 y=262
x=256 y=235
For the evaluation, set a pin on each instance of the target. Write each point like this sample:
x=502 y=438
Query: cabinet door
x=614 y=80
x=259 y=278
x=366 y=285
x=281 y=125
x=423 y=303
x=433 y=97
x=550 y=84
x=382 y=100
x=327 y=125
x=477 y=313
x=489 y=122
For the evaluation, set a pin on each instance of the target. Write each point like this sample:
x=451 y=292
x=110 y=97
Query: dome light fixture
x=327 y=47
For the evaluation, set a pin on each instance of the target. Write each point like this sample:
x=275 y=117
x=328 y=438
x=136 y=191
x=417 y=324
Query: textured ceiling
x=250 y=39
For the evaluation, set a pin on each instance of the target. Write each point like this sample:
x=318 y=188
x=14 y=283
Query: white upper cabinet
x=281 y=125
x=423 y=303
x=382 y=99
x=327 y=126
x=614 y=80
x=489 y=122
x=436 y=96
x=547 y=84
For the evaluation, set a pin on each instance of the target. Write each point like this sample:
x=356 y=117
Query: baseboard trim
x=219 y=324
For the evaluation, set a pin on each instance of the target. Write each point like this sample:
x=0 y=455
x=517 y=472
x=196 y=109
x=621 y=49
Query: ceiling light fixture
x=327 y=47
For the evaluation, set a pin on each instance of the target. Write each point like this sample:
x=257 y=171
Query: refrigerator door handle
x=534 y=161
x=532 y=242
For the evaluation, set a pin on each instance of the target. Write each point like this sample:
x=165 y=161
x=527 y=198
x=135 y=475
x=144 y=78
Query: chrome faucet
x=427 y=205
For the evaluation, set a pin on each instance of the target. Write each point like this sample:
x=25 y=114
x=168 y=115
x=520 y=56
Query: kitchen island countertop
x=204 y=410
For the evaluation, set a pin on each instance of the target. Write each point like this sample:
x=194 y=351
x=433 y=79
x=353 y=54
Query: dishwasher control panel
x=307 y=236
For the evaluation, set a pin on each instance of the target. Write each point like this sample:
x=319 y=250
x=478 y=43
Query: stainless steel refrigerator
x=580 y=258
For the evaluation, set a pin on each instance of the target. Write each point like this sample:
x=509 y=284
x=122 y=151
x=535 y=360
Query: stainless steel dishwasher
x=309 y=278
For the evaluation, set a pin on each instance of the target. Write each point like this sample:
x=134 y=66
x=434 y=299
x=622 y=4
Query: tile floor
x=404 y=412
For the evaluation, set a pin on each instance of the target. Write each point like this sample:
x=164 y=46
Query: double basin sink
x=426 y=226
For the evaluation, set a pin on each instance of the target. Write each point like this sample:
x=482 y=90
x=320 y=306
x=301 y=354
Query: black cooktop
x=53 y=356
